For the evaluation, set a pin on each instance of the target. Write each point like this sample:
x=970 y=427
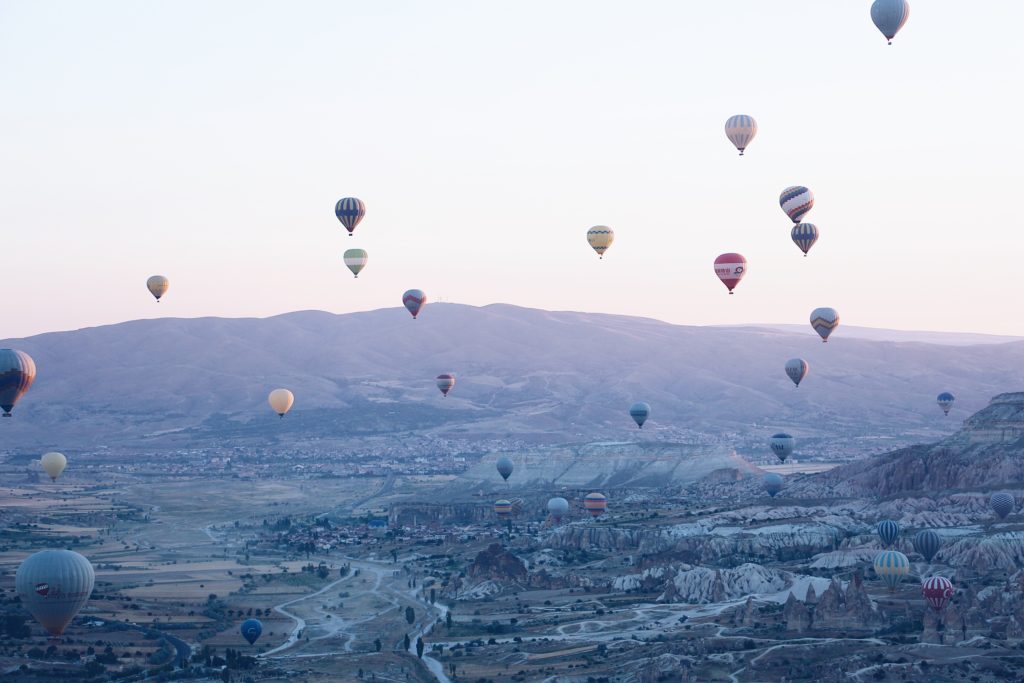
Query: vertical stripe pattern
x=350 y=211
x=740 y=130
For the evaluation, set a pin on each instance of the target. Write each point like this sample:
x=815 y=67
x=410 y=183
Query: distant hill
x=555 y=376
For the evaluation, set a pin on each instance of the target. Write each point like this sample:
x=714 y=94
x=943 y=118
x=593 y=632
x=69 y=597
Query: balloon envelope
x=640 y=411
x=505 y=467
x=1002 y=503
x=891 y=566
x=558 y=507
x=782 y=445
x=281 y=401
x=600 y=237
x=888 y=531
x=740 y=130
x=945 y=401
x=445 y=383
x=772 y=483
x=824 y=321
x=890 y=16
x=796 y=201
x=595 y=504
x=54 y=585
x=730 y=269
x=356 y=260
x=350 y=211
x=251 y=630
x=804 y=236
x=54 y=464
x=413 y=300
x=927 y=543
x=937 y=590
x=158 y=286
x=17 y=372
x=797 y=369
x=503 y=508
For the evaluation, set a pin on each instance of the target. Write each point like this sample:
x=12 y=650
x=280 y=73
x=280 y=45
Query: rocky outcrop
x=796 y=615
x=439 y=514
x=1002 y=421
x=690 y=584
x=846 y=608
x=498 y=564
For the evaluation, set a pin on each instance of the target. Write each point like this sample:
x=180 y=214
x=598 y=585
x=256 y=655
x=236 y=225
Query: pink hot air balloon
x=937 y=590
x=414 y=300
x=730 y=269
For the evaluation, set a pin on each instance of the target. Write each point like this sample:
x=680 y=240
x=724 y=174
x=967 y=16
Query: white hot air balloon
x=281 y=401
x=54 y=464
x=740 y=130
x=54 y=585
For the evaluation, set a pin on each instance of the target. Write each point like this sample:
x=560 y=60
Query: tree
x=407 y=642
x=432 y=596
x=448 y=619
x=410 y=615
x=376 y=644
x=419 y=647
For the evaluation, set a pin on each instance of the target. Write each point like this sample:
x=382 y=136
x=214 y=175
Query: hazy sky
x=208 y=141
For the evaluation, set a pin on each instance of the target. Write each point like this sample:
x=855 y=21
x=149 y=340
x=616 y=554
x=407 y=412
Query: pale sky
x=209 y=141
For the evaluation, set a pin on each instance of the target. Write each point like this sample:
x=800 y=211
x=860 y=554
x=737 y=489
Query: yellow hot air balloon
x=600 y=238
x=281 y=401
x=157 y=286
x=54 y=464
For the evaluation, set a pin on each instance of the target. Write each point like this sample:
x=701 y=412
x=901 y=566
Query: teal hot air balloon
x=53 y=586
x=505 y=467
x=640 y=411
x=772 y=483
x=890 y=16
x=782 y=445
x=889 y=531
x=891 y=566
x=927 y=542
x=17 y=372
x=356 y=260
x=251 y=630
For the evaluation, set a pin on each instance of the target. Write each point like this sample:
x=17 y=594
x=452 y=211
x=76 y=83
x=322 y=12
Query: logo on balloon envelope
x=42 y=589
x=730 y=269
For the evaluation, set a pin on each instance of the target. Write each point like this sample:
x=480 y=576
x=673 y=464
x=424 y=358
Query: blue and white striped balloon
x=891 y=566
x=796 y=201
x=890 y=16
x=350 y=211
x=804 y=236
x=888 y=531
x=740 y=130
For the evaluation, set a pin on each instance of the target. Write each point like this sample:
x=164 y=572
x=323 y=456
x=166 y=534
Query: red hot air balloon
x=937 y=590
x=730 y=269
x=413 y=300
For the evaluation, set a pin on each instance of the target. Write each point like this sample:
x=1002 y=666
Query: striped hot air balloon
x=796 y=369
x=927 y=543
x=937 y=591
x=640 y=411
x=945 y=401
x=772 y=483
x=414 y=300
x=17 y=372
x=595 y=504
x=730 y=269
x=350 y=211
x=891 y=566
x=600 y=238
x=824 y=321
x=1002 y=503
x=782 y=445
x=740 y=130
x=356 y=260
x=804 y=236
x=503 y=509
x=890 y=16
x=445 y=383
x=796 y=201
x=889 y=531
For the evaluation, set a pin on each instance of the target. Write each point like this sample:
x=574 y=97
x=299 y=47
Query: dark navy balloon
x=927 y=543
x=782 y=445
x=350 y=211
x=17 y=372
x=888 y=531
x=505 y=467
x=772 y=483
x=640 y=412
x=251 y=630
x=1002 y=503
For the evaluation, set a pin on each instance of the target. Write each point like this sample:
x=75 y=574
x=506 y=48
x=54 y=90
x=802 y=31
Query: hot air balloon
x=17 y=372
x=414 y=300
x=796 y=201
x=797 y=369
x=927 y=543
x=158 y=286
x=251 y=630
x=730 y=269
x=889 y=531
x=503 y=509
x=54 y=464
x=558 y=508
x=782 y=445
x=595 y=504
x=281 y=401
x=891 y=566
x=740 y=130
x=937 y=590
x=505 y=467
x=445 y=383
x=772 y=483
x=945 y=401
x=600 y=237
x=1002 y=503
x=517 y=506
x=350 y=211
x=53 y=585
x=824 y=321
x=804 y=236
x=356 y=260
x=889 y=16
x=640 y=411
